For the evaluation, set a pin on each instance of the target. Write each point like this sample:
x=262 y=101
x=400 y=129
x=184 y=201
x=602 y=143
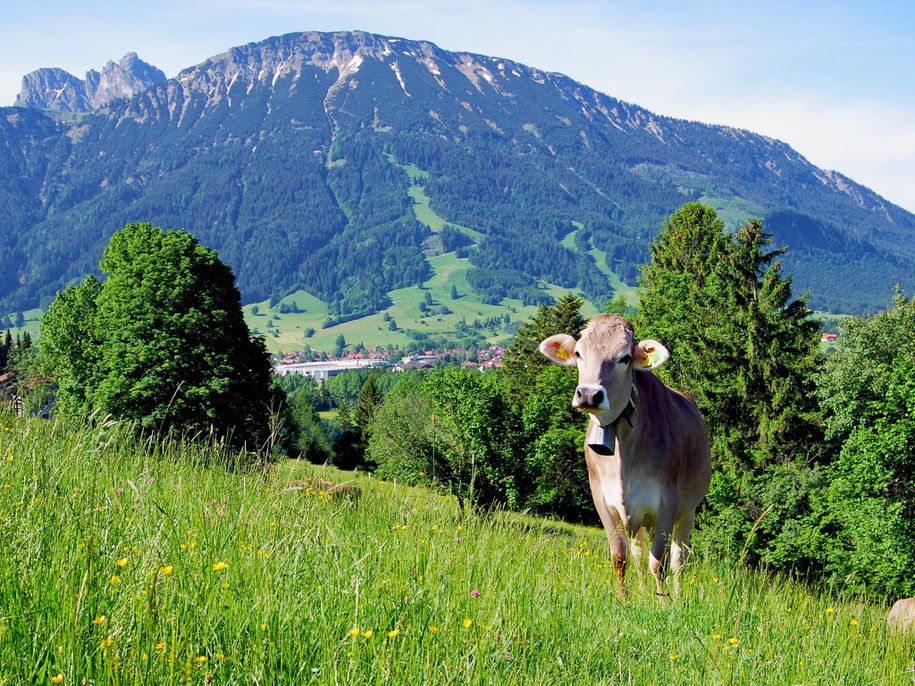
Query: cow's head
x=606 y=355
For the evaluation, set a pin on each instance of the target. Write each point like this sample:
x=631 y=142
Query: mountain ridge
x=52 y=88
x=516 y=153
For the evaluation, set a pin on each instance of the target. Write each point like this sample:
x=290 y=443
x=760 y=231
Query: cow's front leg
x=657 y=558
x=616 y=534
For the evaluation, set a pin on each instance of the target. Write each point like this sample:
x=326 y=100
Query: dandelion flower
x=225 y=585
x=107 y=642
x=165 y=571
x=57 y=679
x=201 y=659
x=221 y=656
x=433 y=629
x=467 y=623
x=99 y=620
x=733 y=641
x=829 y=610
x=160 y=645
x=114 y=580
x=219 y=566
x=716 y=637
x=122 y=562
x=674 y=657
x=854 y=622
x=354 y=631
x=393 y=633
x=368 y=633
x=263 y=626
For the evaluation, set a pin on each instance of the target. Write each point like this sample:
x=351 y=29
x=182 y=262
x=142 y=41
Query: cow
x=646 y=445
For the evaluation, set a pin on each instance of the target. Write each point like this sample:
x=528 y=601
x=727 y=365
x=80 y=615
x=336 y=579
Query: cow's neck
x=602 y=431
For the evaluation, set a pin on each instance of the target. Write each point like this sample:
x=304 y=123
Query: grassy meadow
x=142 y=563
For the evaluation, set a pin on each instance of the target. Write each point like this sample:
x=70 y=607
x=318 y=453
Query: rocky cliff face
x=53 y=89
x=56 y=89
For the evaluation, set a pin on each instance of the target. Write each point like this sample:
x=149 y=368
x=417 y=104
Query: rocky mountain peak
x=56 y=89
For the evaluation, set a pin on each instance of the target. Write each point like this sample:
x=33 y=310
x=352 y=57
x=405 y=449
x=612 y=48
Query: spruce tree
x=746 y=350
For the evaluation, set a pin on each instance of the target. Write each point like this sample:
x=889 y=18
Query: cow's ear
x=649 y=354
x=560 y=349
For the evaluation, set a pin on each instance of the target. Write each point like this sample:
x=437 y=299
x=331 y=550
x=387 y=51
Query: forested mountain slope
x=290 y=157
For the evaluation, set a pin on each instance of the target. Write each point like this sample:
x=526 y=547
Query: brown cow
x=646 y=445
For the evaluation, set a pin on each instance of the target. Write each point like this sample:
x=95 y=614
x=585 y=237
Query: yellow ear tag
x=651 y=358
x=562 y=353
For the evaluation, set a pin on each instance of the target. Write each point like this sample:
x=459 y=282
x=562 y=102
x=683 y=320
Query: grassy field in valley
x=128 y=563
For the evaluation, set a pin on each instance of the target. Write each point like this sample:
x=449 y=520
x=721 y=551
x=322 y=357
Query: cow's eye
x=578 y=354
x=625 y=359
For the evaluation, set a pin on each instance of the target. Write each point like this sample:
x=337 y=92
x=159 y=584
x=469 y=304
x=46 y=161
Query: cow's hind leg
x=637 y=550
x=678 y=546
x=664 y=525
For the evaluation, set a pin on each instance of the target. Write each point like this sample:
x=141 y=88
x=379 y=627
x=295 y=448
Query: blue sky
x=836 y=80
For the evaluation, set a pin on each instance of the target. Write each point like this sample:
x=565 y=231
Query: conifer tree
x=746 y=350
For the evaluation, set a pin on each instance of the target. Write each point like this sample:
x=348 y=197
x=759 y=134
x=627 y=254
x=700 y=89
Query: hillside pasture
x=150 y=562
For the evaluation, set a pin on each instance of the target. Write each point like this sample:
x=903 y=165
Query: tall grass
x=131 y=563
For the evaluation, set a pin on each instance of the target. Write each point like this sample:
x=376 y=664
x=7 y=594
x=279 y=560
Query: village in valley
x=322 y=366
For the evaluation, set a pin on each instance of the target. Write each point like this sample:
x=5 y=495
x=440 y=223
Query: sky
x=833 y=79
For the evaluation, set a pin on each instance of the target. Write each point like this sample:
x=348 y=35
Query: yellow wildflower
x=368 y=633
x=201 y=659
x=221 y=657
x=854 y=622
x=99 y=620
x=829 y=610
x=354 y=631
x=733 y=641
x=674 y=657
x=114 y=580
x=716 y=637
x=263 y=626
x=433 y=629
x=107 y=642
x=57 y=679
x=225 y=585
x=122 y=562
x=160 y=645
x=219 y=566
x=166 y=570
x=467 y=623
x=393 y=633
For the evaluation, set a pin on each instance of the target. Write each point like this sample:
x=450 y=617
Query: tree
x=339 y=346
x=454 y=292
x=523 y=361
x=746 y=350
x=171 y=348
x=70 y=345
x=868 y=391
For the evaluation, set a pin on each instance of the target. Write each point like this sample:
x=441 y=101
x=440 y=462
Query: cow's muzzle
x=590 y=397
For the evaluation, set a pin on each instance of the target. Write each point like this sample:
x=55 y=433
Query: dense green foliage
x=868 y=390
x=162 y=342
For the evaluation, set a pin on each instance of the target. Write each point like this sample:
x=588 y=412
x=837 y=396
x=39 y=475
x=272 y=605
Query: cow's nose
x=588 y=396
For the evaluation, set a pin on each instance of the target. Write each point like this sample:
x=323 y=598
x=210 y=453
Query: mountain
x=302 y=158
x=58 y=90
